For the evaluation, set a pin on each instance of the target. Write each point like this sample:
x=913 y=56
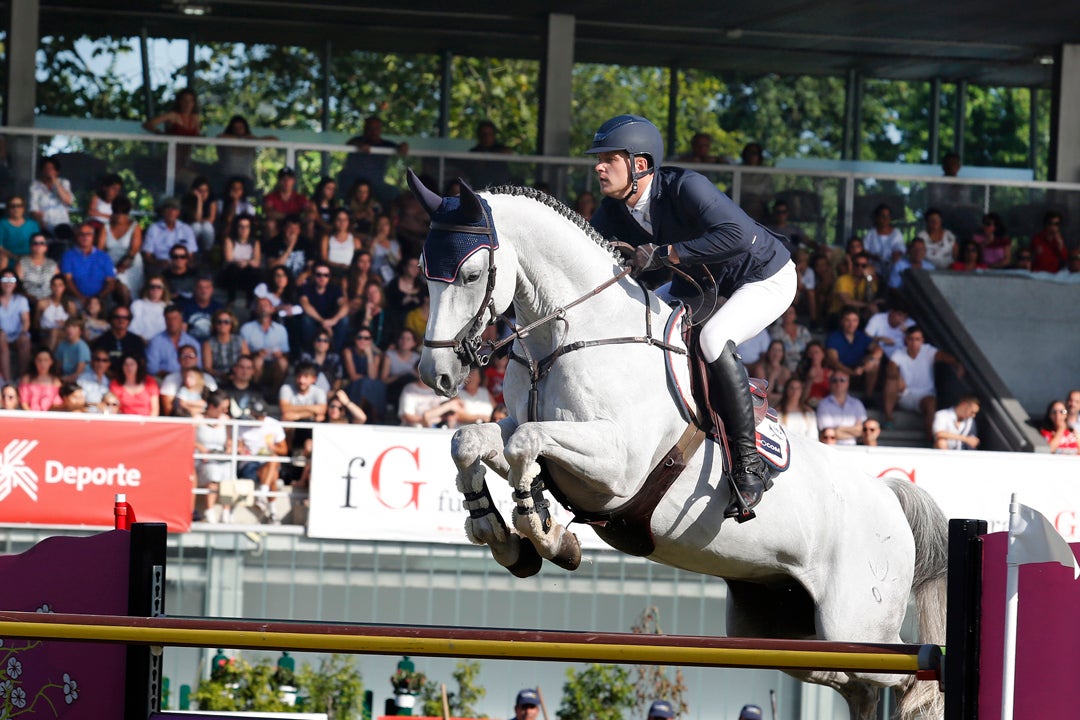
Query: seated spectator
x=39 y=389
x=37 y=269
x=109 y=189
x=325 y=308
x=238 y=162
x=135 y=389
x=995 y=244
x=793 y=335
x=1056 y=431
x=859 y=288
x=95 y=379
x=495 y=375
x=373 y=314
x=754 y=349
x=233 y=205
x=148 y=312
x=341 y=409
x=362 y=163
x=190 y=398
x=199 y=210
x=871 y=433
x=385 y=249
x=360 y=275
x=240 y=388
x=89 y=272
x=954 y=428
x=363 y=206
x=1072 y=265
x=850 y=349
x=163 y=350
x=163 y=236
x=121 y=238
x=269 y=345
x=289 y=249
x=72 y=399
x=411 y=223
x=339 y=245
x=700 y=151
x=814 y=373
x=328 y=368
x=303 y=400
x=362 y=362
x=213 y=437
x=970 y=258
x=940 y=242
x=780 y=223
x=399 y=365
x=585 y=204
x=417 y=319
x=827 y=436
x=819 y=280
x=225 y=346
x=72 y=352
x=265 y=437
x=173 y=385
x=14 y=326
x=311 y=230
x=51 y=313
x=757 y=189
x=110 y=404
x=840 y=411
x=179 y=275
x=9 y=398
x=476 y=404
x=118 y=341
x=796 y=416
x=487 y=173
x=1048 y=246
x=284 y=199
x=909 y=380
x=243 y=259
x=199 y=309
x=887 y=328
x=16 y=230
x=325 y=199
x=1023 y=260
x=1072 y=405
x=51 y=201
x=772 y=368
x=419 y=406
x=915 y=258
x=883 y=243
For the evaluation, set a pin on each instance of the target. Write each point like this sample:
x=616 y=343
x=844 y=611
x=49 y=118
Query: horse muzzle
x=442 y=371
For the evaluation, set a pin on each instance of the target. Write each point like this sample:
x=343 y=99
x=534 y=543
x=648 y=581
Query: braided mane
x=544 y=199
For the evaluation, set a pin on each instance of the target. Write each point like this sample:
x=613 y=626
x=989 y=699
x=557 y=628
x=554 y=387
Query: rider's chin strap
x=634 y=177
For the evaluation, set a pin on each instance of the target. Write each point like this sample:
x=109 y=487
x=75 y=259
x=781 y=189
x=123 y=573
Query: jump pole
x=622 y=648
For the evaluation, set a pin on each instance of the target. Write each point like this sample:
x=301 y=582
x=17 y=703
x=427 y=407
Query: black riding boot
x=730 y=395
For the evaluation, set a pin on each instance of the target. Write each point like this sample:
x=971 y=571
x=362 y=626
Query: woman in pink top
x=137 y=391
x=39 y=389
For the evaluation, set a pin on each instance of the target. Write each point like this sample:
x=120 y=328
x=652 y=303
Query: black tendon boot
x=730 y=395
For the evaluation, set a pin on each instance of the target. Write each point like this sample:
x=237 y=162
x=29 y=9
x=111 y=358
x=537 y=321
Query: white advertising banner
x=392 y=483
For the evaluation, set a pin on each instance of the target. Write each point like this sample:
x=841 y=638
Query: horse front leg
x=473 y=447
x=583 y=448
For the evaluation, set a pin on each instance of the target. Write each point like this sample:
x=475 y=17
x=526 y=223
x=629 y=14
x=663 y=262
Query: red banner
x=68 y=470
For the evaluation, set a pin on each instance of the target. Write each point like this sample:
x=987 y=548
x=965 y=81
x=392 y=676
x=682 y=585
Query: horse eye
x=469 y=278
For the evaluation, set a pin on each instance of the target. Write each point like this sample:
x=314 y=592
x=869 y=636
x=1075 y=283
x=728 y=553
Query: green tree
x=242 y=686
x=599 y=692
x=335 y=688
x=463 y=702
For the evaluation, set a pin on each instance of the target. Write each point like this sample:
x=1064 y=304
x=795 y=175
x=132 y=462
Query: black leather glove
x=648 y=257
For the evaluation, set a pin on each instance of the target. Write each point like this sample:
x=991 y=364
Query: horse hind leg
x=472 y=447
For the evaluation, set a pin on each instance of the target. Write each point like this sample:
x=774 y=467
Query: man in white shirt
x=909 y=378
x=887 y=328
x=954 y=428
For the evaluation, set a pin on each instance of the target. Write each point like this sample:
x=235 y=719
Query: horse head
x=459 y=264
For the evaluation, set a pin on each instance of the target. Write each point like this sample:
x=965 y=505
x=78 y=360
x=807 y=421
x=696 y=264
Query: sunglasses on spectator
x=322 y=274
x=363 y=337
x=223 y=321
x=179 y=256
x=112 y=403
x=838 y=380
x=155 y=286
x=39 y=242
x=862 y=265
x=9 y=280
x=322 y=339
x=102 y=359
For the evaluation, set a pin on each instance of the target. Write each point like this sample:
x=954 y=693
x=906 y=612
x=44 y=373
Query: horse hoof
x=568 y=557
x=528 y=562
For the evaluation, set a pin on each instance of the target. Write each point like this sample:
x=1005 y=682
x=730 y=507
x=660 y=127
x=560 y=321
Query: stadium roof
x=989 y=42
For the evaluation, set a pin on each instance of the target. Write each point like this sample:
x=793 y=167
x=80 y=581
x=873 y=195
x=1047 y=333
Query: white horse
x=833 y=553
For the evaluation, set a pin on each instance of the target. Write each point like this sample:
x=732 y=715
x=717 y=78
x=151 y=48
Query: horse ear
x=470 y=203
x=427 y=198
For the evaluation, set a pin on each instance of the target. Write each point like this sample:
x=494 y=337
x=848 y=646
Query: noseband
x=467 y=343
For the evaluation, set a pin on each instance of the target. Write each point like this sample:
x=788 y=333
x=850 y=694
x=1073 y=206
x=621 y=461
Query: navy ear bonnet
x=446 y=250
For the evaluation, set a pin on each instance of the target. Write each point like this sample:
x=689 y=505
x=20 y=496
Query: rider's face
x=613 y=172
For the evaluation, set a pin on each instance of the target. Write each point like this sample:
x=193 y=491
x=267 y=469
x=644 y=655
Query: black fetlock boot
x=730 y=396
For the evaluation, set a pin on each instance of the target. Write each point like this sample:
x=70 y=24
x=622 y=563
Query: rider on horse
x=677 y=217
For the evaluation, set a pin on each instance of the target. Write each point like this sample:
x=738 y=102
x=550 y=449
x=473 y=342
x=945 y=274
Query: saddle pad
x=772 y=442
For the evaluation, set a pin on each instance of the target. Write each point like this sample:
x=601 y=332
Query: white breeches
x=748 y=311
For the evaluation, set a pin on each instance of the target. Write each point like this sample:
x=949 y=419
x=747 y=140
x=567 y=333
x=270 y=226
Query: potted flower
x=407 y=685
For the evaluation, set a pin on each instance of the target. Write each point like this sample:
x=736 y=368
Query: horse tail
x=930 y=530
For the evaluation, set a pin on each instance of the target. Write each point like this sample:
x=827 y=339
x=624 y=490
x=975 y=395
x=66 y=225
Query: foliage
x=656 y=682
x=407 y=682
x=463 y=702
x=335 y=688
x=599 y=692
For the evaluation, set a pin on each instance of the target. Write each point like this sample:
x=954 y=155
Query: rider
x=677 y=217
